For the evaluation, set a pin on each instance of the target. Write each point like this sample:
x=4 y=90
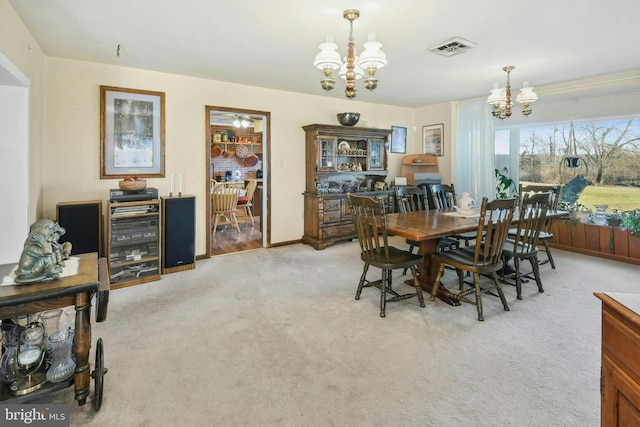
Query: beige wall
x=73 y=141
x=17 y=44
x=435 y=114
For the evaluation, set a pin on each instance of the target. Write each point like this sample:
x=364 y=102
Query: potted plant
x=504 y=183
x=630 y=220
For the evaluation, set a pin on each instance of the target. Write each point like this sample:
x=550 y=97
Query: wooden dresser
x=620 y=371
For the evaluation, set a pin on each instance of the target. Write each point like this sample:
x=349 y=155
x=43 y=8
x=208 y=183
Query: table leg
x=429 y=270
x=82 y=344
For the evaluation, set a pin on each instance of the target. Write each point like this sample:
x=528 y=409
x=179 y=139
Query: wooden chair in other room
x=523 y=240
x=444 y=196
x=224 y=202
x=246 y=201
x=411 y=199
x=369 y=218
x=482 y=258
x=545 y=233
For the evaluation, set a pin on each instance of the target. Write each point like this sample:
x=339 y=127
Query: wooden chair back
x=224 y=199
x=410 y=199
x=530 y=189
x=443 y=196
x=251 y=188
x=533 y=214
x=493 y=229
x=370 y=221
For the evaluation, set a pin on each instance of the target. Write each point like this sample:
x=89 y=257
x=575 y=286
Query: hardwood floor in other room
x=229 y=240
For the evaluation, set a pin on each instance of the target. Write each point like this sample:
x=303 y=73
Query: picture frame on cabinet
x=132 y=126
x=398 y=139
x=433 y=139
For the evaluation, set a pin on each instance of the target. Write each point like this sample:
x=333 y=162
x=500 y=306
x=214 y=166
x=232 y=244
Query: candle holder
x=29 y=359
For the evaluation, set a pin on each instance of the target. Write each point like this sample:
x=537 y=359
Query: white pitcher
x=466 y=201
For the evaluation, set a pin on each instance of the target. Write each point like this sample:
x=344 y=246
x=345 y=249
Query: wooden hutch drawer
x=329 y=217
x=331 y=204
x=337 y=231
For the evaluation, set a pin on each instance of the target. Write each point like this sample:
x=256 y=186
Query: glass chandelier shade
x=351 y=67
x=501 y=101
x=243 y=122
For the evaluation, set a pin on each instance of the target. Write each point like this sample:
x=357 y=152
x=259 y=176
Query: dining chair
x=482 y=258
x=522 y=241
x=224 y=202
x=246 y=201
x=369 y=218
x=411 y=199
x=444 y=196
x=545 y=234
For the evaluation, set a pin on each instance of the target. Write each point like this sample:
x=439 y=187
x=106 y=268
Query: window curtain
x=474 y=159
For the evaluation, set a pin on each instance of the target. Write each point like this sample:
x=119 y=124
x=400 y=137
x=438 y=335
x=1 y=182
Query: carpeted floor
x=274 y=337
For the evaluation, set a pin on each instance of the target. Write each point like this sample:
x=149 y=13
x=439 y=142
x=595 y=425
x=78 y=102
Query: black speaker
x=83 y=223
x=178 y=233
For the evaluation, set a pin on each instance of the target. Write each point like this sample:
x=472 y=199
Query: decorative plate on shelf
x=344 y=146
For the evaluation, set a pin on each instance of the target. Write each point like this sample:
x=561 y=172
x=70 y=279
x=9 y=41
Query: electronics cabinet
x=134 y=242
x=620 y=371
x=340 y=160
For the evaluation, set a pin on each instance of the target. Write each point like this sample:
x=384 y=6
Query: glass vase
x=10 y=340
x=600 y=216
x=62 y=365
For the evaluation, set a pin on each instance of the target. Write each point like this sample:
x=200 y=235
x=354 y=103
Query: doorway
x=237 y=153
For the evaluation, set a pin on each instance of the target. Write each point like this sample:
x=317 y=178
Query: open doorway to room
x=237 y=153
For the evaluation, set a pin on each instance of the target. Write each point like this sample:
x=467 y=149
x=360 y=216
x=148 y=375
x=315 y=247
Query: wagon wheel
x=98 y=375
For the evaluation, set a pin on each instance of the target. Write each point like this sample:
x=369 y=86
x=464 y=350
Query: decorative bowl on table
x=348 y=119
x=467 y=211
x=132 y=184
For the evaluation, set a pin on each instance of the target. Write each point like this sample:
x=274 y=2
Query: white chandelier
x=500 y=98
x=353 y=68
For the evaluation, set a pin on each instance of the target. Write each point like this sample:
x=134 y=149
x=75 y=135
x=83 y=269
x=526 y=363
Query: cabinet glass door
x=376 y=155
x=327 y=154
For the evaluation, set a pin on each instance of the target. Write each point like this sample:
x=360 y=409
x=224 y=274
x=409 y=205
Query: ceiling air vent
x=452 y=47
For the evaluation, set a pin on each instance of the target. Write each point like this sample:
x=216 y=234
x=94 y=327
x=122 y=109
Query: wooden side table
x=77 y=290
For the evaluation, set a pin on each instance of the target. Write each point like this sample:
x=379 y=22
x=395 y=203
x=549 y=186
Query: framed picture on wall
x=433 y=139
x=398 y=139
x=131 y=133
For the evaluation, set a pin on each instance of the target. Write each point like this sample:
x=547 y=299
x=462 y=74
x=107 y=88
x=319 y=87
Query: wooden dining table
x=427 y=227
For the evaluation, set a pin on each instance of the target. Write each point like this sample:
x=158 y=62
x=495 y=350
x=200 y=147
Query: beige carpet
x=275 y=338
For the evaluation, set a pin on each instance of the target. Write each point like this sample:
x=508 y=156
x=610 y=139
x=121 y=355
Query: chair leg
x=362 y=280
x=536 y=273
x=476 y=283
x=215 y=225
x=516 y=266
x=460 y=278
x=383 y=292
x=248 y=214
x=549 y=257
x=235 y=221
x=496 y=280
x=404 y=272
x=414 y=272
x=436 y=283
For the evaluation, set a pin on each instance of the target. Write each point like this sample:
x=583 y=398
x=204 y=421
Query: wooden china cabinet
x=620 y=370
x=340 y=160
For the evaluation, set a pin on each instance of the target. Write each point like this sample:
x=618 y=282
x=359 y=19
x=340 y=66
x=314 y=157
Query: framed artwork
x=131 y=133
x=398 y=139
x=433 y=139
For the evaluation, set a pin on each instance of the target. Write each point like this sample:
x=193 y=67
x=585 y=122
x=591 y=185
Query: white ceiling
x=272 y=43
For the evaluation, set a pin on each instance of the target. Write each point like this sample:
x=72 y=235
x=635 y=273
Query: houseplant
x=503 y=183
x=630 y=220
